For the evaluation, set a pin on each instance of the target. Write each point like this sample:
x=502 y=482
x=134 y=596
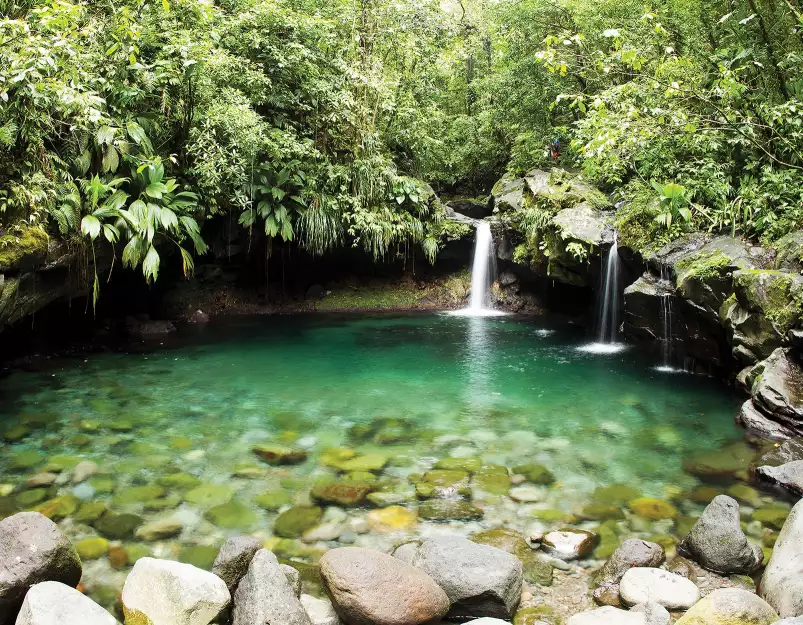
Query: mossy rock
x=684 y=523
x=81 y=440
x=615 y=494
x=121 y=426
x=25 y=460
x=201 y=556
x=16 y=433
x=442 y=482
x=391 y=519
x=292 y=523
x=772 y=516
x=652 y=509
x=92 y=548
x=776 y=295
x=745 y=494
x=102 y=485
x=137 y=551
x=24 y=249
x=280 y=455
x=168 y=502
x=90 y=512
x=720 y=463
x=291 y=548
x=233 y=515
x=208 y=495
x=59 y=508
x=491 y=479
x=702 y=495
x=117 y=526
x=249 y=471
x=179 y=481
x=601 y=512
x=137 y=494
x=361 y=476
x=374 y=462
x=142 y=448
x=181 y=443
x=539 y=615
x=551 y=515
x=346 y=494
x=58 y=464
x=273 y=500
x=333 y=456
x=536 y=570
x=28 y=498
x=469 y=465
x=449 y=510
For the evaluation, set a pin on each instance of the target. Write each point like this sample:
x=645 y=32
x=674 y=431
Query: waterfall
x=608 y=322
x=482 y=275
x=667 y=312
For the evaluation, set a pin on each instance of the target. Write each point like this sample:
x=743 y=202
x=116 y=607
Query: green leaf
x=155 y=190
x=150 y=266
x=90 y=226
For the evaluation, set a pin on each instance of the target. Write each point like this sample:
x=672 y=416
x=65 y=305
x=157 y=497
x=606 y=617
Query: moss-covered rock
x=535 y=473
x=92 y=548
x=652 y=509
x=208 y=495
x=292 y=523
x=179 y=481
x=449 y=510
x=469 y=465
x=233 y=515
x=23 y=250
x=117 y=526
x=538 y=615
x=58 y=464
x=344 y=493
x=28 y=498
x=391 y=519
x=789 y=252
x=280 y=455
x=773 y=516
x=202 y=556
x=137 y=494
x=59 y=507
x=25 y=460
x=601 y=512
x=90 y=512
x=443 y=483
x=491 y=479
x=615 y=494
x=273 y=500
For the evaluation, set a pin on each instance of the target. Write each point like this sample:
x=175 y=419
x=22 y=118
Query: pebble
x=359 y=526
x=527 y=493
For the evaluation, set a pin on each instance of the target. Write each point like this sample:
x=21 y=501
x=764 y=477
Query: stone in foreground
x=642 y=584
x=53 y=603
x=368 y=587
x=320 y=611
x=788 y=475
x=782 y=584
x=730 y=606
x=654 y=613
x=608 y=616
x=569 y=544
x=480 y=580
x=233 y=559
x=265 y=596
x=631 y=553
x=32 y=550
x=717 y=542
x=162 y=592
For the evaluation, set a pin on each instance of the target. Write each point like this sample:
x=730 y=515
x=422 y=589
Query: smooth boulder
x=717 y=542
x=569 y=544
x=32 y=550
x=368 y=587
x=163 y=592
x=730 y=606
x=479 y=580
x=642 y=584
x=788 y=475
x=233 y=559
x=654 y=613
x=54 y=603
x=608 y=615
x=631 y=553
x=320 y=611
x=782 y=583
x=265 y=596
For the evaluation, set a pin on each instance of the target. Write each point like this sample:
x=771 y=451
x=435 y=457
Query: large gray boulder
x=479 y=580
x=163 y=592
x=233 y=559
x=752 y=419
x=789 y=476
x=264 y=595
x=782 y=583
x=730 y=606
x=632 y=552
x=368 y=587
x=777 y=388
x=32 y=550
x=717 y=542
x=54 y=603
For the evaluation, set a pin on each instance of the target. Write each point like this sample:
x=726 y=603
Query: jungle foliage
x=322 y=123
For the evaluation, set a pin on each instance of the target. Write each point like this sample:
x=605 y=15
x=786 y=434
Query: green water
x=415 y=388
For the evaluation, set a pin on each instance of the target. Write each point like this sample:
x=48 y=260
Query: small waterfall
x=482 y=269
x=483 y=272
x=667 y=313
x=608 y=322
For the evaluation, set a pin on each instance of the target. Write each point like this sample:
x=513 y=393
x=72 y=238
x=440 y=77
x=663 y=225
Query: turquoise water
x=414 y=389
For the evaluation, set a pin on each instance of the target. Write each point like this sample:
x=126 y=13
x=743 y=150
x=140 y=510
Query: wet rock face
x=717 y=542
x=368 y=587
x=782 y=583
x=233 y=559
x=788 y=476
x=777 y=388
x=32 y=550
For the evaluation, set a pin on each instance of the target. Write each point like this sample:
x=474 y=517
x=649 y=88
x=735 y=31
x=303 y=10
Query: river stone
x=776 y=387
x=273 y=500
x=449 y=510
x=32 y=550
x=751 y=418
x=92 y=548
x=652 y=509
x=54 y=603
x=346 y=494
x=391 y=519
x=537 y=615
x=717 y=542
x=642 y=584
x=233 y=515
x=654 y=613
x=631 y=553
x=790 y=621
x=443 y=484
x=292 y=523
x=479 y=580
x=536 y=569
x=40 y=480
x=265 y=596
x=569 y=543
x=368 y=587
x=162 y=592
x=59 y=507
x=730 y=606
x=233 y=559
x=535 y=473
x=159 y=530
x=789 y=475
x=782 y=584
x=199 y=556
x=278 y=455
x=117 y=526
x=293 y=576
x=320 y=611
x=83 y=471
x=608 y=615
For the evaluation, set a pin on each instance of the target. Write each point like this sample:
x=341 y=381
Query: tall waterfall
x=667 y=312
x=482 y=276
x=608 y=322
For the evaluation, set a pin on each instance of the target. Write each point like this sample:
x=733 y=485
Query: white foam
x=477 y=312
x=667 y=369
x=602 y=348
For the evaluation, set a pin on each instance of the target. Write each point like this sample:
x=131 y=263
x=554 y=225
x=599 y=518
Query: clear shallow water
x=501 y=389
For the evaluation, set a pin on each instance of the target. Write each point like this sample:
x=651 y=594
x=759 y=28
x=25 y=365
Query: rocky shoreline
x=441 y=578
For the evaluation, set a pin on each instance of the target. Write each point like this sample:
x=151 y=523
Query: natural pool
x=369 y=403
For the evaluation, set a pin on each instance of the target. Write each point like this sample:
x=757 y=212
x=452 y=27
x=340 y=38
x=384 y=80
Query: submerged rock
x=443 y=484
x=449 y=510
x=347 y=494
x=264 y=595
x=730 y=606
x=292 y=523
x=391 y=519
x=717 y=542
x=54 y=603
x=278 y=455
x=162 y=592
x=782 y=584
x=674 y=592
x=652 y=509
x=32 y=550
x=479 y=580
x=631 y=553
x=159 y=530
x=368 y=587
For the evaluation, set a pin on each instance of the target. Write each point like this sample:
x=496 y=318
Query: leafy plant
x=673 y=204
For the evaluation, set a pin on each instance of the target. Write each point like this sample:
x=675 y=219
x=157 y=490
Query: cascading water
x=667 y=313
x=608 y=322
x=482 y=275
